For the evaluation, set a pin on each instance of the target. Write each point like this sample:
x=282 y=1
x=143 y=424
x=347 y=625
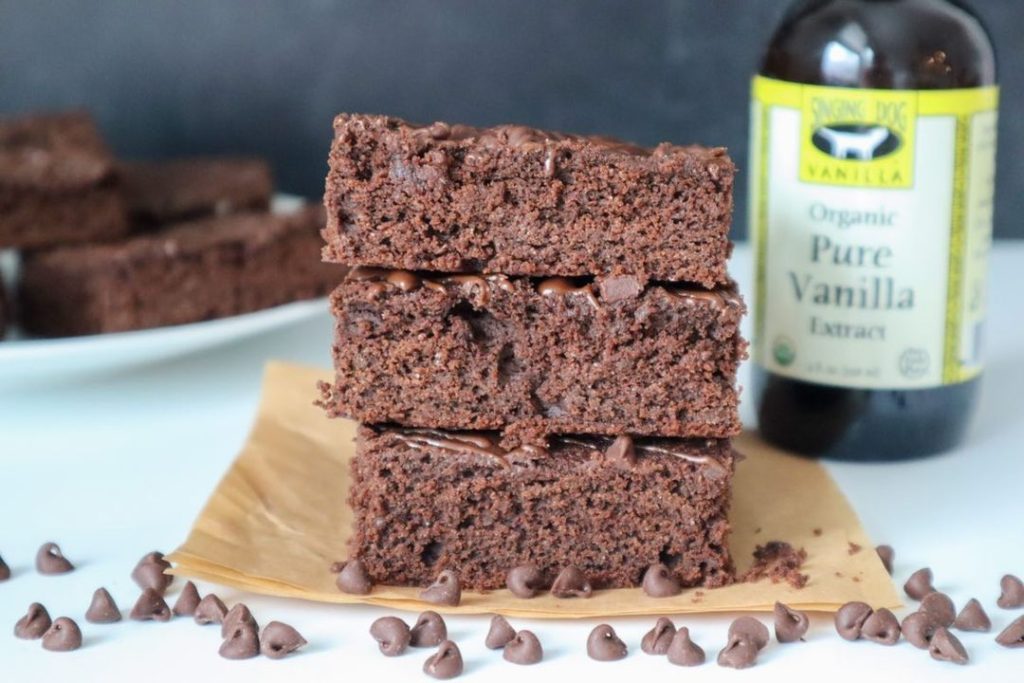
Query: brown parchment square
x=279 y=518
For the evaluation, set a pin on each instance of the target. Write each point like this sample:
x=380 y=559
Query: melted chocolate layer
x=407 y=281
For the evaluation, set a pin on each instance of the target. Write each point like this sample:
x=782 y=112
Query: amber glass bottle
x=872 y=174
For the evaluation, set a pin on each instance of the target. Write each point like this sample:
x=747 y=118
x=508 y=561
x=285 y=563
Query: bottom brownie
x=190 y=272
x=427 y=500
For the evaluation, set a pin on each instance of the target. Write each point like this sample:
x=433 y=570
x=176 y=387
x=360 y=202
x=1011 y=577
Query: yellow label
x=871 y=213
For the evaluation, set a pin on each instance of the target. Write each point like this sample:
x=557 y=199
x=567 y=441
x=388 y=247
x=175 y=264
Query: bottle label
x=871 y=216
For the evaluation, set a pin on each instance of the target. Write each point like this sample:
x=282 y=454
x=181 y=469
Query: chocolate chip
x=604 y=645
x=525 y=581
x=887 y=555
x=429 y=630
x=684 y=652
x=619 y=287
x=1012 y=635
x=210 y=610
x=5 y=571
x=150 y=607
x=149 y=573
x=790 y=625
x=659 y=582
x=241 y=643
x=658 y=639
x=34 y=624
x=881 y=627
x=621 y=452
x=353 y=579
x=739 y=653
x=1012 y=595
x=237 y=615
x=500 y=633
x=919 y=584
x=446 y=590
x=524 y=648
x=940 y=607
x=439 y=130
x=850 y=619
x=103 y=609
x=50 y=560
x=280 y=640
x=62 y=636
x=750 y=629
x=973 y=617
x=918 y=629
x=392 y=635
x=571 y=583
x=445 y=663
x=946 y=647
x=187 y=602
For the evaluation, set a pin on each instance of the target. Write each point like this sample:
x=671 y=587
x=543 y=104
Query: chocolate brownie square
x=425 y=501
x=536 y=357
x=161 y=192
x=58 y=183
x=211 y=268
x=520 y=201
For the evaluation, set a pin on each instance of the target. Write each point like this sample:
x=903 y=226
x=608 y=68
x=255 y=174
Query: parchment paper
x=278 y=520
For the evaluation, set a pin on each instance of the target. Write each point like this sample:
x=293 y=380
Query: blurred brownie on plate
x=161 y=192
x=200 y=270
x=58 y=183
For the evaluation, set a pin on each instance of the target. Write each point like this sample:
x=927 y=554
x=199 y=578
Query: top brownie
x=58 y=182
x=520 y=201
x=161 y=192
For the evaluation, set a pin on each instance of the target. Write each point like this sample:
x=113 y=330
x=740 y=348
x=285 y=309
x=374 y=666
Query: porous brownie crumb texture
x=520 y=201
x=497 y=353
x=420 y=509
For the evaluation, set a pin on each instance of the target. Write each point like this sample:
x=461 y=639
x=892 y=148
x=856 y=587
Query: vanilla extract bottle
x=873 y=140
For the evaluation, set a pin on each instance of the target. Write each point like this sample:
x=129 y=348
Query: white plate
x=30 y=361
x=27 y=361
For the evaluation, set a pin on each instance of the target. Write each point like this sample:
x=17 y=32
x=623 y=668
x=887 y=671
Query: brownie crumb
x=854 y=548
x=778 y=561
x=816 y=531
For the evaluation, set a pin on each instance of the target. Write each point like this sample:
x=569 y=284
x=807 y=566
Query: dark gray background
x=170 y=77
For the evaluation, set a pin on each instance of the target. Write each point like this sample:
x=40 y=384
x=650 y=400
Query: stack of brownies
x=540 y=339
x=109 y=246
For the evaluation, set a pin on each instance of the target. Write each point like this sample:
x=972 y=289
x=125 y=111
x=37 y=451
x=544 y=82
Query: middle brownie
x=536 y=357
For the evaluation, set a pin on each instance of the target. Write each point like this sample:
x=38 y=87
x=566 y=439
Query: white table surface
x=117 y=465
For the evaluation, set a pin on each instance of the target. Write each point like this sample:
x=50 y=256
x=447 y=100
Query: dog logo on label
x=856 y=142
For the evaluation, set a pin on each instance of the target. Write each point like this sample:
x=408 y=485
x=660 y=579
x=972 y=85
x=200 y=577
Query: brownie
x=425 y=501
x=206 y=269
x=58 y=183
x=162 y=192
x=536 y=357
x=520 y=201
